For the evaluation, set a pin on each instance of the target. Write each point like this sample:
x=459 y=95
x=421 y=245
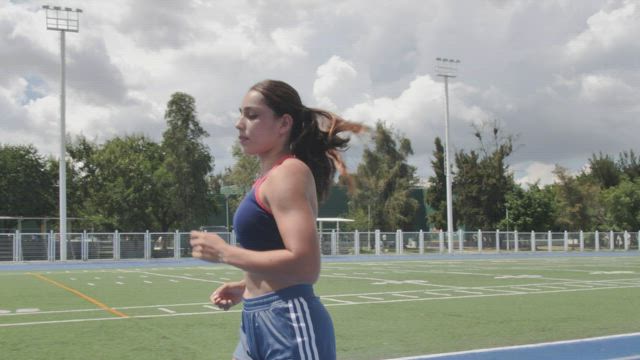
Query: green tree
x=531 y=209
x=577 y=201
x=383 y=183
x=188 y=162
x=604 y=171
x=629 y=164
x=436 y=196
x=125 y=190
x=483 y=180
x=28 y=182
x=622 y=204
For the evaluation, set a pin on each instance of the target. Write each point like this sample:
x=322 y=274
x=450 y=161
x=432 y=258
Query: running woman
x=298 y=148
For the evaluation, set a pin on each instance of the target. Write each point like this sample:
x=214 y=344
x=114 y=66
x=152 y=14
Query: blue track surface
x=626 y=346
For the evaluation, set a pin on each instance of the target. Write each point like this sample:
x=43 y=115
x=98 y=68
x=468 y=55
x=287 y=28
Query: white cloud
x=563 y=75
x=607 y=30
x=608 y=90
x=338 y=83
x=537 y=172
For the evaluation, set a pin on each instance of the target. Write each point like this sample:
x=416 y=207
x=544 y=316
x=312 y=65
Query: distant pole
x=447 y=68
x=62 y=20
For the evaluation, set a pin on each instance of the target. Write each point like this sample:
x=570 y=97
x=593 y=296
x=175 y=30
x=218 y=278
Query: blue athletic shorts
x=289 y=324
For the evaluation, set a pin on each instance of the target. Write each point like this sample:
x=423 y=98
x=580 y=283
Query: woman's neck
x=268 y=161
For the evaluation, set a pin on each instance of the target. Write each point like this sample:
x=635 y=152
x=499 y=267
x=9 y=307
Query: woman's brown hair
x=314 y=135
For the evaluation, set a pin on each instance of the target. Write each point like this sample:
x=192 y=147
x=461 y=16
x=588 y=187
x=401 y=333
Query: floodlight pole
x=446 y=68
x=62 y=20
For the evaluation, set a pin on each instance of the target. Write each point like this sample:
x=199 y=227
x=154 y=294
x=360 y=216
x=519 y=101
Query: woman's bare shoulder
x=292 y=176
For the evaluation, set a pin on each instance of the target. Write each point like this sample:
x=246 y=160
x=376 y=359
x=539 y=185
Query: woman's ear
x=287 y=123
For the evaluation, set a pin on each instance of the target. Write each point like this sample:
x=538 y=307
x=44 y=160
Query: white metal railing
x=147 y=245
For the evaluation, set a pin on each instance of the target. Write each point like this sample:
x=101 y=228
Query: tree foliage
x=577 y=200
x=27 y=182
x=383 y=182
x=436 y=195
x=530 y=209
x=483 y=180
x=125 y=190
x=188 y=162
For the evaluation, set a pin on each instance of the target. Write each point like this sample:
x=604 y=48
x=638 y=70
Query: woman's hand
x=207 y=246
x=228 y=295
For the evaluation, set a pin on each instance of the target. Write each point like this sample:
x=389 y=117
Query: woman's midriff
x=257 y=285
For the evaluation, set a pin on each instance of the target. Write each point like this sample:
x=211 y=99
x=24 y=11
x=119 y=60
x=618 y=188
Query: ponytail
x=317 y=140
x=317 y=136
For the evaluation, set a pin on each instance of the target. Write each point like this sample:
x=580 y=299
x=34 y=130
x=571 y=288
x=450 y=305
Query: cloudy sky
x=563 y=76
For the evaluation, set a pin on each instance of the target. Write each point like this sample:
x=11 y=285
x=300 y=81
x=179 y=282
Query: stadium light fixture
x=62 y=20
x=447 y=68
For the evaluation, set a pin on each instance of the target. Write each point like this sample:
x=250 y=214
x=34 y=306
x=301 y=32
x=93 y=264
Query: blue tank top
x=254 y=226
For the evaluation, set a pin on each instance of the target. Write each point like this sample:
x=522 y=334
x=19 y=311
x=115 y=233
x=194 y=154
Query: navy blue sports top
x=254 y=225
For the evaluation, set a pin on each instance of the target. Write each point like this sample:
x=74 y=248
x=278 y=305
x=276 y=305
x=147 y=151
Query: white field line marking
x=435 y=293
x=516 y=347
x=119 y=283
x=406 y=296
x=148 y=282
x=370 y=298
x=166 y=310
x=468 y=292
x=336 y=300
x=518 y=287
x=27 y=311
x=210 y=307
x=340 y=304
x=176 y=276
x=551 y=287
x=91 y=284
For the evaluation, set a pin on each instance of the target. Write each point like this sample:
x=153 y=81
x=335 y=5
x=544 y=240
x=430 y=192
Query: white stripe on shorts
x=310 y=324
x=301 y=317
x=294 y=316
x=305 y=334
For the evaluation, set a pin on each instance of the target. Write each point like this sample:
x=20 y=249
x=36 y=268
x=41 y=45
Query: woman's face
x=260 y=129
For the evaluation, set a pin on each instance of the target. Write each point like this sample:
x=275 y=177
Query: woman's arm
x=289 y=192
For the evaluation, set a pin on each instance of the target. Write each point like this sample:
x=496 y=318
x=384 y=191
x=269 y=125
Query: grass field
x=381 y=309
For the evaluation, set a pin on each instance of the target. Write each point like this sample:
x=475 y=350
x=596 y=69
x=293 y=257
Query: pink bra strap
x=258 y=183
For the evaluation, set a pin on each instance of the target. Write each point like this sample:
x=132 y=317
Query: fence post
x=597 y=240
x=18 y=246
x=356 y=242
x=498 y=240
x=566 y=241
x=177 y=244
x=14 y=255
x=441 y=241
x=533 y=241
x=333 y=241
x=399 y=242
x=51 y=255
x=626 y=240
x=53 y=243
x=83 y=246
x=479 y=240
x=116 y=246
x=421 y=242
x=377 y=239
x=549 y=242
x=147 y=245
x=515 y=240
x=232 y=238
x=611 y=240
x=460 y=244
x=581 y=241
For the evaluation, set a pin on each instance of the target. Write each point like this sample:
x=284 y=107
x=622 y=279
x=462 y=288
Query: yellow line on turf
x=78 y=293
